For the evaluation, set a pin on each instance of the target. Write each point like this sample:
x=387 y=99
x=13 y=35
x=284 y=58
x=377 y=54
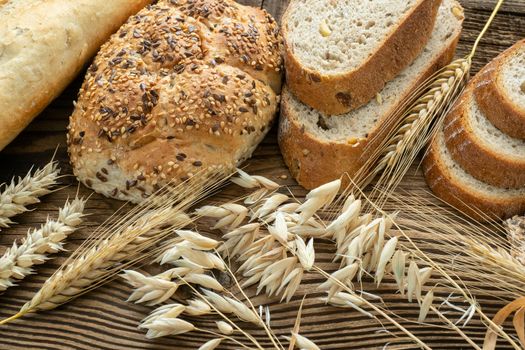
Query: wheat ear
x=123 y=243
x=25 y=191
x=17 y=261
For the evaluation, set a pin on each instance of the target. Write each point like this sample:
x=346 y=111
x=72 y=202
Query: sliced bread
x=318 y=149
x=501 y=91
x=480 y=148
x=339 y=54
x=455 y=186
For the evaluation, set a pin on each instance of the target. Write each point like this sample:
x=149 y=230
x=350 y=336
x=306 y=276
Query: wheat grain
x=16 y=196
x=17 y=261
x=211 y=344
x=224 y=328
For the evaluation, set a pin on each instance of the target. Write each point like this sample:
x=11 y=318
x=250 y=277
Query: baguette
x=318 y=149
x=479 y=147
x=340 y=54
x=500 y=93
x=43 y=45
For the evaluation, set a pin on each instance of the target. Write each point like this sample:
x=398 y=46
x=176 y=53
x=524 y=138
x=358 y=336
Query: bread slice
x=318 y=149
x=501 y=91
x=455 y=186
x=480 y=148
x=339 y=54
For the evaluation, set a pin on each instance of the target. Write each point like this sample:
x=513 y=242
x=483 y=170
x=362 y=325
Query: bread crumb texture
x=184 y=85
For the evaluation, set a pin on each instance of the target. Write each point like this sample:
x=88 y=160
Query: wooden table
x=103 y=320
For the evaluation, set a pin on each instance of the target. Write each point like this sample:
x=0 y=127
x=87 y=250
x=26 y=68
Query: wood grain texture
x=103 y=320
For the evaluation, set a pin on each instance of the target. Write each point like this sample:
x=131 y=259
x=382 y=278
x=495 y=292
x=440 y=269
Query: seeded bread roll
x=184 y=85
x=43 y=46
x=501 y=91
x=340 y=54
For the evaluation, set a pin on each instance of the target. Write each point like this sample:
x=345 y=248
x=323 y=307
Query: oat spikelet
x=17 y=261
x=229 y=215
x=122 y=243
x=263 y=185
x=16 y=196
x=161 y=327
x=151 y=290
x=211 y=344
x=320 y=197
x=304 y=343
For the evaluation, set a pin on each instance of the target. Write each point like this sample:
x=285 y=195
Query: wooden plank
x=103 y=320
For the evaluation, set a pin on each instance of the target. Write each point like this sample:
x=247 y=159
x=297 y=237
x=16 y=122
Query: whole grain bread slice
x=318 y=148
x=501 y=91
x=340 y=54
x=455 y=186
x=480 y=148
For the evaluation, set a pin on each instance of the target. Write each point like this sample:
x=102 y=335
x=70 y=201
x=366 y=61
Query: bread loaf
x=501 y=91
x=182 y=86
x=455 y=186
x=340 y=54
x=484 y=151
x=318 y=149
x=43 y=46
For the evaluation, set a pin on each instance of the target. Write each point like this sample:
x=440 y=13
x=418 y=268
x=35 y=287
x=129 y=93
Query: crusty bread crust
x=445 y=184
x=182 y=86
x=483 y=162
x=341 y=93
x=314 y=162
x=40 y=60
x=492 y=100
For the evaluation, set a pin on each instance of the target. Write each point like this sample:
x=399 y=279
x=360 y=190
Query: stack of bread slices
x=349 y=66
x=477 y=161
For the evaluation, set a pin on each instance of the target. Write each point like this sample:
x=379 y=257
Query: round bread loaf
x=184 y=85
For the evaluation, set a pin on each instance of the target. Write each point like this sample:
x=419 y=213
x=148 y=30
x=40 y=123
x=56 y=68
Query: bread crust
x=482 y=161
x=447 y=187
x=341 y=93
x=43 y=46
x=492 y=100
x=171 y=94
x=314 y=162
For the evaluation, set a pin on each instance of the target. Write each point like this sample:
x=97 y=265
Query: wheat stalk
x=25 y=191
x=121 y=244
x=17 y=261
x=515 y=228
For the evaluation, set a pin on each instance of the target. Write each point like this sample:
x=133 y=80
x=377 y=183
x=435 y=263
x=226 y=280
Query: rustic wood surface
x=103 y=320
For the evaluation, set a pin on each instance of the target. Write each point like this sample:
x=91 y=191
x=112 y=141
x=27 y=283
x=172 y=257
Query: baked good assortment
x=339 y=54
x=43 y=45
x=473 y=163
x=182 y=86
x=318 y=148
